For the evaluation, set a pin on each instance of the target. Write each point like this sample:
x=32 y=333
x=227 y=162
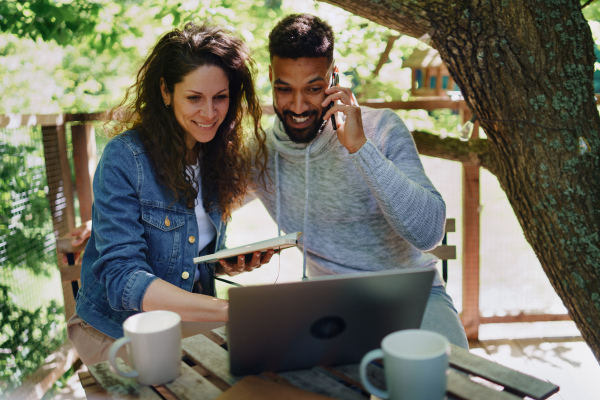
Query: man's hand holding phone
x=350 y=132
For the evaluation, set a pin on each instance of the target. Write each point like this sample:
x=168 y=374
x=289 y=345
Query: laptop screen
x=330 y=320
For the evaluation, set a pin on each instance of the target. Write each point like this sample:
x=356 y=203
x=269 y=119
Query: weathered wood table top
x=205 y=376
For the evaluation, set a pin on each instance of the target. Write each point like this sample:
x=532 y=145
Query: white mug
x=415 y=362
x=153 y=341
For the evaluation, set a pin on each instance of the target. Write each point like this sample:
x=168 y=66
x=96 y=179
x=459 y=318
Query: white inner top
x=206 y=229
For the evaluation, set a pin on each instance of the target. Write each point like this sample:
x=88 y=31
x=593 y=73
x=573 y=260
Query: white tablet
x=278 y=243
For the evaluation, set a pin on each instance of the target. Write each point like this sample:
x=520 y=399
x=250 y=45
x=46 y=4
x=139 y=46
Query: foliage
x=26 y=338
x=46 y=74
x=24 y=210
x=49 y=20
x=29 y=327
x=80 y=56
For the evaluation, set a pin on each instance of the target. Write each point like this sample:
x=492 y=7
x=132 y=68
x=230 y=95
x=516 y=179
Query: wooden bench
x=71 y=272
x=445 y=251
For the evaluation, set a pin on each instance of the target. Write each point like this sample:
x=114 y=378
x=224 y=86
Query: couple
x=166 y=187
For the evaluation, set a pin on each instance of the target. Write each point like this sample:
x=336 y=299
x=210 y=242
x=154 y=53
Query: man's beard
x=305 y=135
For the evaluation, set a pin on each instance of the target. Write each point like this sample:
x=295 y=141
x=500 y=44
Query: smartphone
x=335 y=80
x=247 y=257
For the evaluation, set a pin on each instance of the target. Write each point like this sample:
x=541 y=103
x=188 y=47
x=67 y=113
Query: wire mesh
x=512 y=279
x=32 y=320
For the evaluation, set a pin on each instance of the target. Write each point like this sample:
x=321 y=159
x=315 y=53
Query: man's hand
x=257 y=260
x=350 y=132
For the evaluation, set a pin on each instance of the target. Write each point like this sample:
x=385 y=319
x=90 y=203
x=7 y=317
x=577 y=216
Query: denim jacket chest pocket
x=164 y=231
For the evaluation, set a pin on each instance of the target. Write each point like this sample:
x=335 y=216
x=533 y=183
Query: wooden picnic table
x=205 y=376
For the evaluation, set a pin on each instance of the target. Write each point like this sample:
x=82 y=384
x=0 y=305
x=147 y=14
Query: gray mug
x=415 y=362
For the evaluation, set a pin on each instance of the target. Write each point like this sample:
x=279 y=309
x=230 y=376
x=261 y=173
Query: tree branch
x=587 y=4
x=396 y=15
x=473 y=152
x=386 y=54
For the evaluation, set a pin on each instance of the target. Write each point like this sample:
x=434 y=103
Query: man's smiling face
x=299 y=86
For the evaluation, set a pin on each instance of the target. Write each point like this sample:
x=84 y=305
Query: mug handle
x=370 y=356
x=112 y=355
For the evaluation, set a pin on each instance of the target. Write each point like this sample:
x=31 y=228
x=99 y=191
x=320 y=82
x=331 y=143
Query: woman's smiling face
x=200 y=103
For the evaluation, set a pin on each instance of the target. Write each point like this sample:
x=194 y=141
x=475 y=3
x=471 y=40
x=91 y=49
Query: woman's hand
x=80 y=234
x=256 y=261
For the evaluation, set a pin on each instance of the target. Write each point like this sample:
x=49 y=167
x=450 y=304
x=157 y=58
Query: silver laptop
x=330 y=320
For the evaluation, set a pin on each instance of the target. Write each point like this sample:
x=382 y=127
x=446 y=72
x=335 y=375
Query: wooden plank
x=351 y=374
x=318 y=381
x=190 y=385
x=471 y=237
x=59 y=186
x=11 y=121
x=459 y=385
x=119 y=387
x=70 y=273
x=508 y=352
x=450 y=225
x=209 y=355
x=91 y=388
x=512 y=380
x=85 y=117
x=60 y=193
x=254 y=387
x=84 y=161
x=522 y=317
x=221 y=333
x=444 y=252
x=421 y=104
x=64 y=246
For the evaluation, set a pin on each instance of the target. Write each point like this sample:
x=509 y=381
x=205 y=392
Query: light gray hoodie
x=368 y=211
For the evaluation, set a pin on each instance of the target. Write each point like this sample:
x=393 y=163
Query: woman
x=165 y=188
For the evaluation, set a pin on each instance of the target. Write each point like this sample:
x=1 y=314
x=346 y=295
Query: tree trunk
x=526 y=69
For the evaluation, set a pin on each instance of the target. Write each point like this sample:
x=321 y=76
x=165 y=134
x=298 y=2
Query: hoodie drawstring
x=277 y=193
x=304 y=230
x=306 y=193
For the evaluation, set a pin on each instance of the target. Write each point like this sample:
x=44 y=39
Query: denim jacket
x=139 y=234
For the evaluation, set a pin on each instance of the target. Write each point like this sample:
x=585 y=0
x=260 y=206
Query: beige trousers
x=91 y=344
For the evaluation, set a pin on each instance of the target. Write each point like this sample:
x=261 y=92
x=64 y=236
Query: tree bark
x=525 y=68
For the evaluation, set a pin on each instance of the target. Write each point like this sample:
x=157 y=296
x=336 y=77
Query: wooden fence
x=84 y=156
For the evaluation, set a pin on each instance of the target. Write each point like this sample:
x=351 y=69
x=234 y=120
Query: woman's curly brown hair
x=226 y=162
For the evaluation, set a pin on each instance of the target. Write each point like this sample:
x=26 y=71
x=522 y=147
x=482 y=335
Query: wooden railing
x=84 y=155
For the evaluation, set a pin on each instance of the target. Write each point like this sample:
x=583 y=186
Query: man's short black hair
x=301 y=35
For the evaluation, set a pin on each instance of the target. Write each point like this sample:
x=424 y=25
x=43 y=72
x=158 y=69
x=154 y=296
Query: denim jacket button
x=191 y=239
x=167 y=222
x=185 y=275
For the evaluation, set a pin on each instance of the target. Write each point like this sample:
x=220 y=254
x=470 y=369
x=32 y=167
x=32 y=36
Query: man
x=358 y=193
